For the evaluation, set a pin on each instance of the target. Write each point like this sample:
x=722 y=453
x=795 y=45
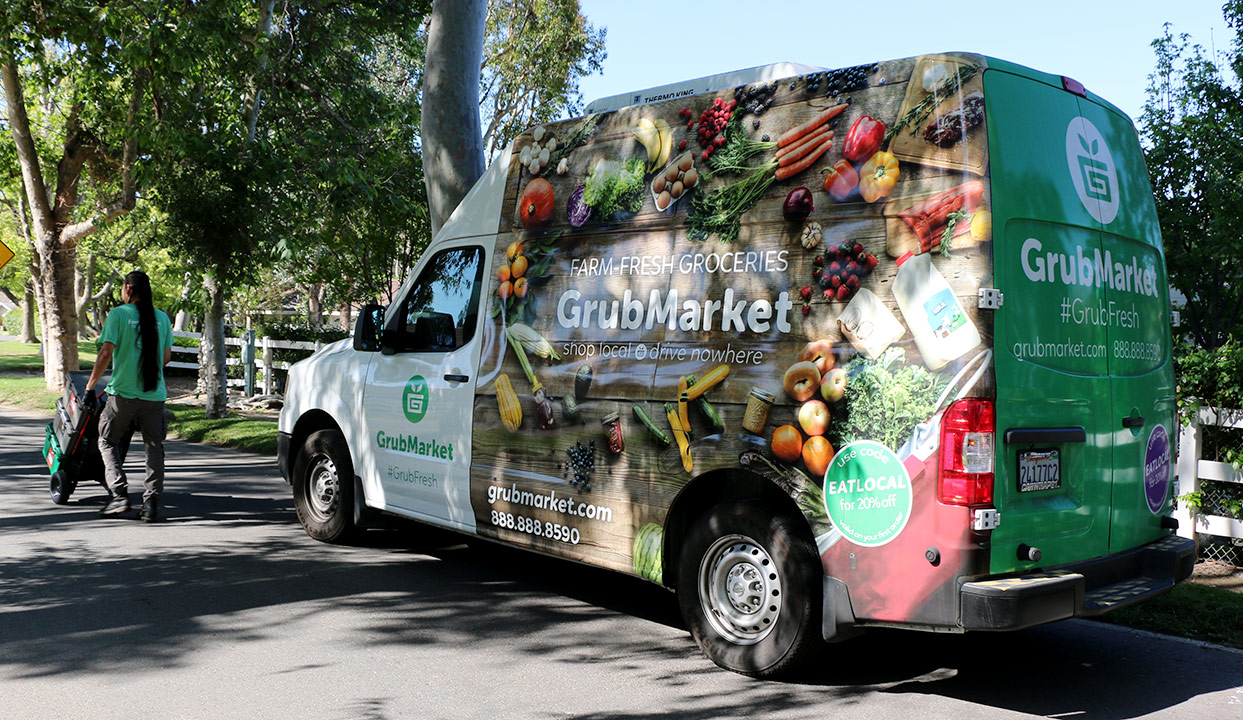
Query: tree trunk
x=60 y=317
x=452 y=146
x=315 y=306
x=28 y=313
x=347 y=320
x=212 y=368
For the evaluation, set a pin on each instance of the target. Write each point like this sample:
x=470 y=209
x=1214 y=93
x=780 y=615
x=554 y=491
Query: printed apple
x=820 y=354
x=833 y=386
x=813 y=417
x=801 y=380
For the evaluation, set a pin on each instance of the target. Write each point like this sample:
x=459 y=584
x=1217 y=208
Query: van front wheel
x=323 y=487
x=749 y=590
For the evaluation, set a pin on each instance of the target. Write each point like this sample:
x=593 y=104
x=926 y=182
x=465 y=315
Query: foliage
x=535 y=52
x=1192 y=124
x=1213 y=377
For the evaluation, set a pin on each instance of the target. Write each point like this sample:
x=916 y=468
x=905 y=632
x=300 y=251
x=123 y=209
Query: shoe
x=150 y=509
x=117 y=505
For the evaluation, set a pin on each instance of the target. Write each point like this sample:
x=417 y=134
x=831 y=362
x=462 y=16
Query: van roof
x=698 y=86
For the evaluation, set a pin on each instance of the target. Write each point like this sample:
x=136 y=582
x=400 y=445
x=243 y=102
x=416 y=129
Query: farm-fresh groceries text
x=675 y=311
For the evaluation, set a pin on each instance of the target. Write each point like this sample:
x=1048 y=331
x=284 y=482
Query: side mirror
x=367 y=329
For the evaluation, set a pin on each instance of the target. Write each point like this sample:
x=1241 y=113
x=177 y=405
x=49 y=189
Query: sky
x=1104 y=45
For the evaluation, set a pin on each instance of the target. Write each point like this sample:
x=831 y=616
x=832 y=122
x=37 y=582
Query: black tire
x=323 y=487
x=61 y=488
x=760 y=555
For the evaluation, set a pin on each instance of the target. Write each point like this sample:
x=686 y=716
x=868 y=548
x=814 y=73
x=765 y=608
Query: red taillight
x=967 y=432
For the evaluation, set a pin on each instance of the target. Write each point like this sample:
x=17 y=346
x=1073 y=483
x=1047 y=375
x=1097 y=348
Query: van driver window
x=441 y=310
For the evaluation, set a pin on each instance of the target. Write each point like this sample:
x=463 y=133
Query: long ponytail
x=148 y=339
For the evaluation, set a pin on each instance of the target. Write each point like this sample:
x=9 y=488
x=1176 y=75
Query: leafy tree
x=534 y=53
x=1192 y=124
x=93 y=65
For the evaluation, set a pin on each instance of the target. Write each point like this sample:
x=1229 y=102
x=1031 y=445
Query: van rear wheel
x=749 y=590
x=323 y=487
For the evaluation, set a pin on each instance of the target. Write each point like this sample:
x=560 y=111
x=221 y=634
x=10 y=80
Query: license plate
x=1039 y=470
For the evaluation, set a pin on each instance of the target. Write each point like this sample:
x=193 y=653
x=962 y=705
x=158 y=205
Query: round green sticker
x=867 y=493
x=414 y=399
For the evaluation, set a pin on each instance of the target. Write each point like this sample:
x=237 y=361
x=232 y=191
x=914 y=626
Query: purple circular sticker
x=1157 y=469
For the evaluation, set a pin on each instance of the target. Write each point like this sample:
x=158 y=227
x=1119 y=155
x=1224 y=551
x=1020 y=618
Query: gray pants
x=114 y=424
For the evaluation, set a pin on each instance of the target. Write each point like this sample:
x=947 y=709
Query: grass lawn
x=21 y=375
x=1192 y=611
x=21 y=384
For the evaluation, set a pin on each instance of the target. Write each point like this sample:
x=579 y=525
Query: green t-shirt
x=121 y=329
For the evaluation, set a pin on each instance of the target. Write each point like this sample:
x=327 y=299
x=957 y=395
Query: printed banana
x=665 y=134
x=649 y=137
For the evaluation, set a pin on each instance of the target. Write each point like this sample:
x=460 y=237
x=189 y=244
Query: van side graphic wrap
x=710 y=286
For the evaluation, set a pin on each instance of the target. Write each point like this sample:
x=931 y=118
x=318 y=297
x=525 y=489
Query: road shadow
x=69 y=606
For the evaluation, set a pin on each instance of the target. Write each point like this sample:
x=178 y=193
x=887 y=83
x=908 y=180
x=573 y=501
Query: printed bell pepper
x=863 y=139
x=878 y=176
x=841 y=179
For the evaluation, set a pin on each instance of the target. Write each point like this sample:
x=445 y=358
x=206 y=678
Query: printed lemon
x=513 y=250
x=982 y=226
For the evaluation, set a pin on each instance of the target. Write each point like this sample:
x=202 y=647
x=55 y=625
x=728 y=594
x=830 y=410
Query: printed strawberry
x=828 y=294
x=806 y=309
x=819 y=261
x=826 y=280
x=805 y=292
x=871 y=262
x=835 y=268
x=852 y=268
x=836 y=282
x=817 y=273
x=843 y=292
x=834 y=252
x=856 y=249
x=852 y=282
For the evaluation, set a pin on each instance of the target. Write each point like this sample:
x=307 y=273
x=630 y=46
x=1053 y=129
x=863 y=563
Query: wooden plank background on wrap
x=639 y=484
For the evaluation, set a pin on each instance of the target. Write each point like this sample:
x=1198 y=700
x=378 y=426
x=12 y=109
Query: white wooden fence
x=251 y=354
x=1192 y=470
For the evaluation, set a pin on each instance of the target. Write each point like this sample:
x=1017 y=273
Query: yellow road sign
x=5 y=254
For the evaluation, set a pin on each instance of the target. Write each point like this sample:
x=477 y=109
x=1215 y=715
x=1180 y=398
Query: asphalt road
x=228 y=610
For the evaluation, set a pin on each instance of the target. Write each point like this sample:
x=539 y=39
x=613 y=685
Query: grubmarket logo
x=1092 y=170
x=414 y=399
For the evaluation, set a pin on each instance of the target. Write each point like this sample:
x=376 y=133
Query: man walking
x=137 y=340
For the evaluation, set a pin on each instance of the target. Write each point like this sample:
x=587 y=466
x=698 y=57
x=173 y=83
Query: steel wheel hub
x=324 y=488
x=739 y=589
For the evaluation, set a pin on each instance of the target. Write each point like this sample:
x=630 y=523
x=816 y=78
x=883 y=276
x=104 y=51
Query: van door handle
x=457 y=378
x=1132 y=422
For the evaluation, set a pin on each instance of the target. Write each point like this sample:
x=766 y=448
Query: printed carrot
x=814 y=137
x=804 y=149
x=790 y=171
x=798 y=132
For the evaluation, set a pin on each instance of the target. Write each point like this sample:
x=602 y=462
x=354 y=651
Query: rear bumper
x=1078 y=590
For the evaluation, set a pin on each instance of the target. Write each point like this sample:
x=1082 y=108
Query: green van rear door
x=1069 y=475
x=1138 y=327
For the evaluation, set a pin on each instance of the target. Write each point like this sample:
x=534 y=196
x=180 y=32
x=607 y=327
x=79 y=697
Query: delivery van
x=819 y=350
